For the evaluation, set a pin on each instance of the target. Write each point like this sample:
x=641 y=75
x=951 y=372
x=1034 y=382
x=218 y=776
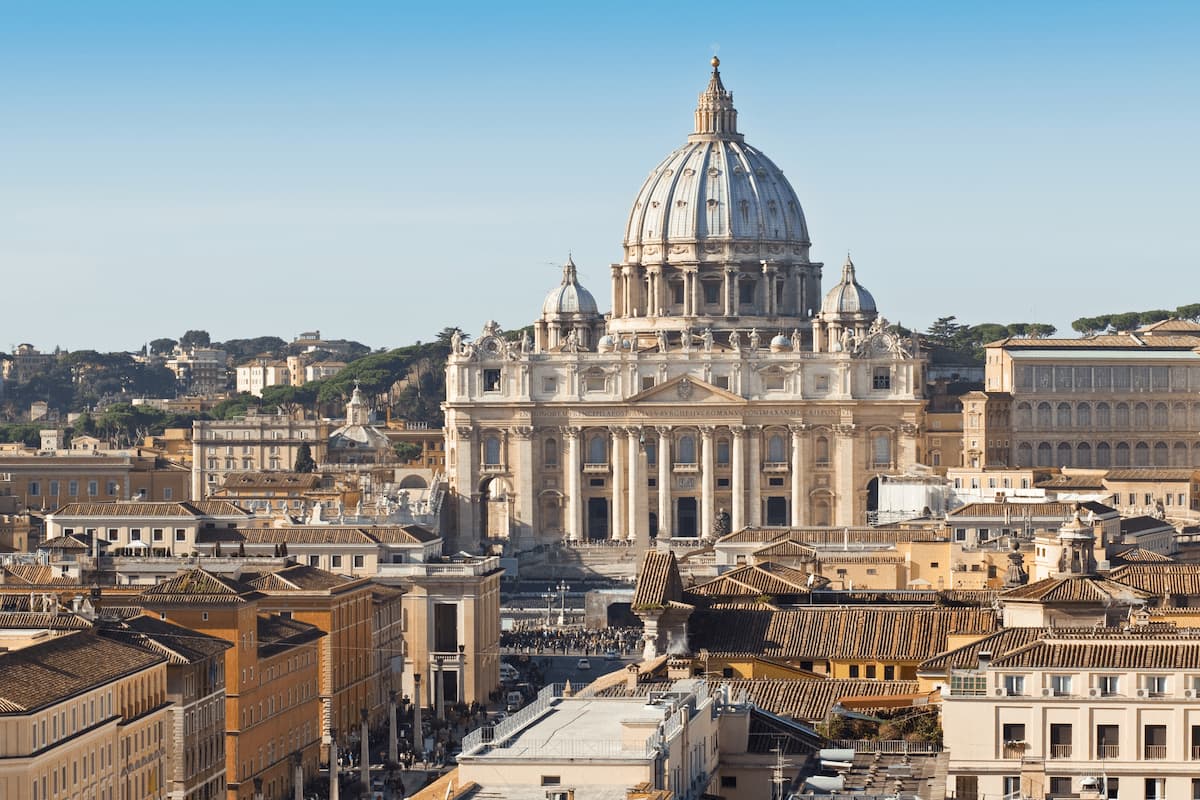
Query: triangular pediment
x=686 y=389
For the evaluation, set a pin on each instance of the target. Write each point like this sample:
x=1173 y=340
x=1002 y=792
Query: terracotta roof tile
x=753 y=580
x=1160 y=579
x=199 y=586
x=658 y=581
x=1077 y=589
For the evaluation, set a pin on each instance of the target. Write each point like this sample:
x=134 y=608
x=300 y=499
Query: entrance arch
x=686 y=521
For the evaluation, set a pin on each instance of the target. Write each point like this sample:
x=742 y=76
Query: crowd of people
x=533 y=639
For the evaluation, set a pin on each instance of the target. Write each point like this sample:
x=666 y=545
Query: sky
x=382 y=170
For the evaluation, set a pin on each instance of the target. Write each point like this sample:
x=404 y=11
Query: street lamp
x=549 y=598
x=562 y=590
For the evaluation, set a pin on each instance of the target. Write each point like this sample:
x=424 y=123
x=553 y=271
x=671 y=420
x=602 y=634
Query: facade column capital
x=522 y=432
x=571 y=431
x=465 y=432
x=846 y=429
x=908 y=429
x=799 y=428
x=738 y=431
x=662 y=430
x=706 y=431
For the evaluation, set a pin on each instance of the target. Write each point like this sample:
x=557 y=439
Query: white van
x=513 y=701
x=508 y=673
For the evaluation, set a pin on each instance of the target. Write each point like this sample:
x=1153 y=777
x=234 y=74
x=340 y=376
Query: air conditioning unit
x=1141 y=692
x=1189 y=694
x=1001 y=691
x=1047 y=692
x=1095 y=692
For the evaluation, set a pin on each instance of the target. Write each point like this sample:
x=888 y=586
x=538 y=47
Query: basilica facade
x=722 y=390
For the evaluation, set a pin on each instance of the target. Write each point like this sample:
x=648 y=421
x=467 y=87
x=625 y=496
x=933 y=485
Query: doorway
x=777 y=512
x=597 y=519
x=686 y=516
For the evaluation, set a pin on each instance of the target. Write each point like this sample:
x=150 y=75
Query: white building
x=720 y=391
x=260 y=373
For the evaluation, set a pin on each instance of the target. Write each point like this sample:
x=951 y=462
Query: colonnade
x=646 y=292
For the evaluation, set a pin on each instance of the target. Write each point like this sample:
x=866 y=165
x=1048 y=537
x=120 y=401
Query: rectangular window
x=1156 y=685
x=156 y=534
x=491 y=380
x=647 y=382
x=93 y=488
x=549 y=385
x=314 y=561
x=112 y=534
x=1014 y=685
x=112 y=488
x=854 y=670
x=712 y=292
x=73 y=488
x=1109 y=685
x=135 y=534
x=881 y=378
x=35 y=489
x=551 y=780
x=1060 y=685
x=181 y=534
x=335 y=561
x=358 y=561
x=871 y=671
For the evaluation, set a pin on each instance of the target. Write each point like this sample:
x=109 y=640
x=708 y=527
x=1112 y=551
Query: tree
x=1155 y=315
x=407 y=451
x=195 y=339
x=162 y=346
x=945 y=330
x=1191 y=311
x=1041 y=330
x=1125 y=322
x=304 y=459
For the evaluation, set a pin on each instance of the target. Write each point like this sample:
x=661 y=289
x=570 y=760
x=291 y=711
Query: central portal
x=597 y=519
x=686 y=517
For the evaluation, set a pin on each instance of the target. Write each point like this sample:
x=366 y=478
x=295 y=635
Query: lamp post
x=562 y=590
x=333 y=764
x=549 y=598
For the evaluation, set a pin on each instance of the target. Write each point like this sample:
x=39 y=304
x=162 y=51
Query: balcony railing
x=1108 y=751
x=1155 y=752
x=1013 y=751
x=1060 y=751
x=595 y=468
x=685 y=466
x=1196 y=752
x=776 y=466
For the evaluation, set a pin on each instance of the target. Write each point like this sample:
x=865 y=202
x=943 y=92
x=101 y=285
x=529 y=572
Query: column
x=737 y=293
x=754 y=518
x=198 y=465
x=393 y=741
x=418 y=734
x=664 y=482
x=626 y=292
x=797 y=467
x=365 y=751
x=848 y=471
x=727 y=292
x=738 y=513
x=523 y=526
x=467 y=482
x=333 y=764
x=616 y=290
x=696 y=296
x=297 y=776
x=706 y=481
x=805 y=460
x=462 y=674
x=637 y=485
x=616 y=463
x=574 y=501
x=439 y=689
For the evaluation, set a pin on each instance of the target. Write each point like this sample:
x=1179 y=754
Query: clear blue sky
x=379 y=170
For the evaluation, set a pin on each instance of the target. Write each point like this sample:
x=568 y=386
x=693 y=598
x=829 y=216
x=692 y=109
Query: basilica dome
x=848 y=297
x=716 y=198
x=569 y=297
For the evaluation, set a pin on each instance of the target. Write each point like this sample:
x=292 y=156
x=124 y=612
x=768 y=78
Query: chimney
x=679 y=668
x=985 y=659
x=631 y=677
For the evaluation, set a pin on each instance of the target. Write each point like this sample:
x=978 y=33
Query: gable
x=686 y=389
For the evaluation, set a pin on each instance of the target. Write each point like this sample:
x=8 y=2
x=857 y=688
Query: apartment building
x=200 y=371
x=81 y=716
x=273 y=708
x=1073 y=709
x=255 y=442
x=48 y=481
x=259 y=373
x=144 y=528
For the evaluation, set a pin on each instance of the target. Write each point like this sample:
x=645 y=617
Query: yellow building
x=78 y=710
x=271 y=678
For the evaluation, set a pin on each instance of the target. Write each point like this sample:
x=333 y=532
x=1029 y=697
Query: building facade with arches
x=1106 y=402
x=722 y=390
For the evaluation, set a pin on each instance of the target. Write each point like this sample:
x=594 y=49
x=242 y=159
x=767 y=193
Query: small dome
x=606 y=344
x=780 y=343
x=848 y=297
x=569 y=297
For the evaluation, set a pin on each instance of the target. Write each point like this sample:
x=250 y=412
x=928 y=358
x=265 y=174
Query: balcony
x=492 y=468
x=1155 y=752
x=1108 y=751
x=686 y=467
x=1060 y=751
x=595 y=469
x=1196 y=752
x=1014 y=751
x=776 y=466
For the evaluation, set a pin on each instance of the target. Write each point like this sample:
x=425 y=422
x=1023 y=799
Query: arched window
x=776 y=449
x=1179 y=455
x=1045 y=454
x=597 y=452
x=1083 y=455
x=1064 y=415
x=821 y=450
x=723 y=452
x=550 y=452
x=687 y=449
x=1083 y=415
x=1024 y=416
x=1160 y=416
x=1179 y=416
x=1121 y=456
x=1141 y=455
x=1024 y=454
x=1103 y=455
x=1161 y=454
x=1064 y=455
x=491 y=451
x=1141 y=416
x=1103 y=416
x=1043 y=415
x=821 y=512
x=1122 y=415
x=881 y=449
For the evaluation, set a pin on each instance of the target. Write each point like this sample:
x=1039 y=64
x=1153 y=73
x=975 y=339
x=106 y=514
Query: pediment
x=686 y=389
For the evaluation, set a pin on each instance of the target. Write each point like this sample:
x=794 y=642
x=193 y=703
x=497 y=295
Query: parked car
x=583 y=663
x=612 y=655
